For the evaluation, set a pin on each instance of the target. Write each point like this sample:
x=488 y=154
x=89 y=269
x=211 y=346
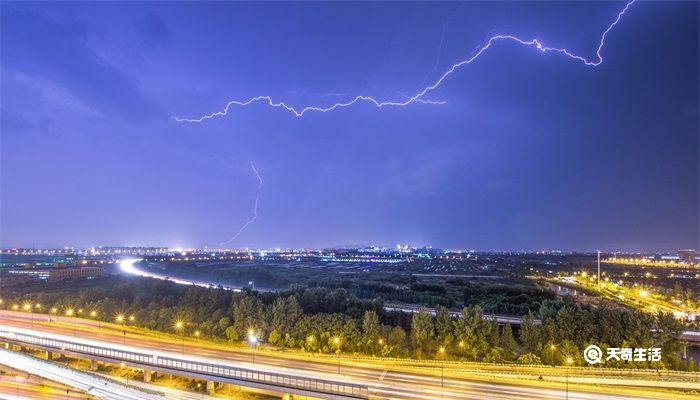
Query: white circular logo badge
x=593 y=354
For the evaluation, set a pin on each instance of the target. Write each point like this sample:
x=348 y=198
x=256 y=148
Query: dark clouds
x=58 y=52
x=154 y=30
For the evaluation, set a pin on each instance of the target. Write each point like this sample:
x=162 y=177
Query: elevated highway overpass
x=212 y=370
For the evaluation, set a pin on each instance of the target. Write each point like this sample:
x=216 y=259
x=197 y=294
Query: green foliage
x=529 y=358
x=310 y=318
x=422 y=331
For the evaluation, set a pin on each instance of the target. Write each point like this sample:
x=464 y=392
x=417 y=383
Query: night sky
x=531 y=151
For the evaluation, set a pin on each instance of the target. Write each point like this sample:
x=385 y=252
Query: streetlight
x=179 y=326
x=442 y=371
x=28 y=308
x=336 y=341
x=568 y=363
x=552 y=347
x=253 y=340
x=71 y=313
x=120 y=319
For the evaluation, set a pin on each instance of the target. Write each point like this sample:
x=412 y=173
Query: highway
x=19 y=385
x=101 y=388
x=387 y=383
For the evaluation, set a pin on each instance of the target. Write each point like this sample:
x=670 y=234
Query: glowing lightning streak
x=418 y=97
x=442 y=39
x=255 y=207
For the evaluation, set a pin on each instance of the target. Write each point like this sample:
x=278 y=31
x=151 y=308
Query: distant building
x=7 y=280
x=686 y=256
x=15 y=277
x=70 y=273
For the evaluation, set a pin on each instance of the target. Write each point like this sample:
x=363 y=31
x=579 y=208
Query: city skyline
x=528 y=151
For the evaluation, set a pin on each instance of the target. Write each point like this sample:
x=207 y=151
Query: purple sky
x=530 y=151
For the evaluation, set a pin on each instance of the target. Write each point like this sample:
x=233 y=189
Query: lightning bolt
x=417 y=98
x=255 y=208
x=442 y=39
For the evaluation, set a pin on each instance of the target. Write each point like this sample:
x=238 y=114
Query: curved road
x=384 y=383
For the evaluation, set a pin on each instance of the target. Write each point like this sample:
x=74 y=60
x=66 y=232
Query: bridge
x=212 y=370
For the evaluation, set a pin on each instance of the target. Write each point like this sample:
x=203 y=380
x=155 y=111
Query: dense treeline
x=323 y=320
x=414 y=293
x=506 y=299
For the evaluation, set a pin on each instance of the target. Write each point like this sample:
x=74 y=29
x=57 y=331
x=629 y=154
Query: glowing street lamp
x=120 y=319
x=441 y=351
x=179 y=327
x=569 y=361
x=552 y=348
x=71 y=313
x=253 y=340
x=336 y=342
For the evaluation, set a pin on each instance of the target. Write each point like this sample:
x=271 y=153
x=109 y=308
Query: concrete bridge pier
x=49 y=355
x=93 y=365
x=211 y=386
x=148 y=375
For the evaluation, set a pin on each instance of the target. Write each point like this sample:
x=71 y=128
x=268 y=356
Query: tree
x=495 y=355
x=248 y=313
x=397 y=337
x=507 y=342
x=284 y=314
x=669 y=331
x=370 y=330
x=444 y=326
x=232 y=334
x=529 y=358
x=422 y=331
x=351 y=335
x=275 y=337
x=471 y=333
x=529 y=333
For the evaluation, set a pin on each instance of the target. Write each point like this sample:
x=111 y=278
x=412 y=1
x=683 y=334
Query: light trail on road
x=86 y=382
x=394 y=384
